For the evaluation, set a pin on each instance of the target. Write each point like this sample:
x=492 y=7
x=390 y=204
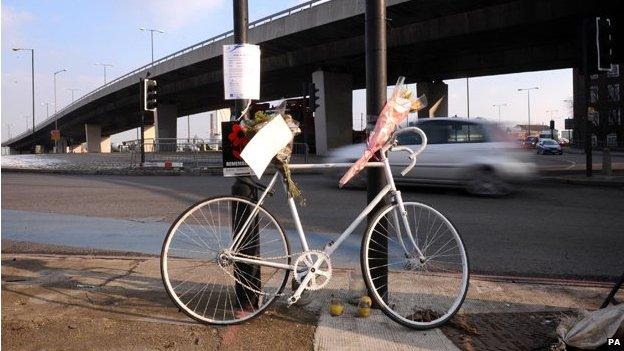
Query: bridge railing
x=256 y=23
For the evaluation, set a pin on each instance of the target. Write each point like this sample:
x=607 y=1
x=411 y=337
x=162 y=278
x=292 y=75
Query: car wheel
x=485 y=182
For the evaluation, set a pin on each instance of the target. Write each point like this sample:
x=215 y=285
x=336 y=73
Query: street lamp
x=499 y=110
x=468 y=96
x=551 y=113
x=152 y=37
x=104 y=65
x=47 y=105
x=56 y=142
x=72 y=92
x=55 y=104
x=26 y=118
x=8 y=126
x=528 y=90
x=32 y=71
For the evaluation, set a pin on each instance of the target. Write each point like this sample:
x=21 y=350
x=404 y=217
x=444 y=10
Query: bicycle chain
x=255 y=257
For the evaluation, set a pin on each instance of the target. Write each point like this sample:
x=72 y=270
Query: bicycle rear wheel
x=201 y=279
x=418 y=293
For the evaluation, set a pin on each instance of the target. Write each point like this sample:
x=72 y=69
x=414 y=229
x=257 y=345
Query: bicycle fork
x=405 y=224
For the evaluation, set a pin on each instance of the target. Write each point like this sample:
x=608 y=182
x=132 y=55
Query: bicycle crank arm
x=297 y=295
x=304 y=283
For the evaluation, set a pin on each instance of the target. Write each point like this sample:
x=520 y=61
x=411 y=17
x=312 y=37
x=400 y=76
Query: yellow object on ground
x=364 y=306
x=336 y=307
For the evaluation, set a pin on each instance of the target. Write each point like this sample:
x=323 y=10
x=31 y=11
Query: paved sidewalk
x=107 y=302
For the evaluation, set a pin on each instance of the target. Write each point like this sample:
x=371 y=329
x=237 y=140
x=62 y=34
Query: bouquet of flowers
x=251 y=126
x=400 y=104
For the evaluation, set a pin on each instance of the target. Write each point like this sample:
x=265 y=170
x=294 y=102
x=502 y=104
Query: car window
x=466 y=132
x=409 y=139
x=435 y=132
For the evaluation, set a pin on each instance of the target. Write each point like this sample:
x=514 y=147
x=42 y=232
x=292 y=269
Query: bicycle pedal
x=292 y=300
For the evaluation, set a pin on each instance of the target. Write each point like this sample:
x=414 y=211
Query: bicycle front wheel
x=204 y=281
x=420 y=292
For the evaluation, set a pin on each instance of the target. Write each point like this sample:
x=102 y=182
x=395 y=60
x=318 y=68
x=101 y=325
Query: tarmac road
x=545 y=229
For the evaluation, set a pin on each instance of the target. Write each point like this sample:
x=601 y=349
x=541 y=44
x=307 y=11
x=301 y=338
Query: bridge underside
x=427 y=41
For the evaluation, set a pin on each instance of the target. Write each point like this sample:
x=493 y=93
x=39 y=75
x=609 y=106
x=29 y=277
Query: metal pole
x=529 y=108
x=152 y=42
x=499 y=111
x=55 y=124
x=588 y=125
x=32 y=67
x=376 y=83
x=528 y=90
x=241 y=186
x=104 y=73
x=142 y=119
x=468 y=96
x=188 y=128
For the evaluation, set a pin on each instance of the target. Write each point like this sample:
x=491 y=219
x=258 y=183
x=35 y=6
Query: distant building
x=534 y=129
x=605 y=109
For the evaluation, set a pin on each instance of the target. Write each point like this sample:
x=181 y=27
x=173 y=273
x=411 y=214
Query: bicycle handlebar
x=413 y=154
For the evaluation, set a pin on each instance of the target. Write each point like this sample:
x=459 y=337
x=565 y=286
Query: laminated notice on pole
x=241 y=71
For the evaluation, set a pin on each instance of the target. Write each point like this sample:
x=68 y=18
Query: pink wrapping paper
x=394 y=112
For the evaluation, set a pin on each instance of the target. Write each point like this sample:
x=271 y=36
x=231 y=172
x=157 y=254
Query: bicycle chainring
x=304 y=264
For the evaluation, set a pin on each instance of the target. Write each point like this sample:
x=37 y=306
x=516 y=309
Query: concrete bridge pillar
x=93 y=134
x=105 y=144
x=333 y=119
x=96 y=142
x=437 y=96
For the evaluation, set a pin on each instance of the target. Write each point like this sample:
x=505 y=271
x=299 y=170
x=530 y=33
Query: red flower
x=238 y=139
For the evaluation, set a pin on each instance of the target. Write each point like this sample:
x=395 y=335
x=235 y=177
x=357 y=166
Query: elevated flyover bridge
x=323 y=42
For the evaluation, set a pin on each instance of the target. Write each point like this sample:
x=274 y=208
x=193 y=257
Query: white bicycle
x=226 y=259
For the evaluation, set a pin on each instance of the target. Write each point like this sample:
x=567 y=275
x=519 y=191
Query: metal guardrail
x=194 y=154
x=264 y=20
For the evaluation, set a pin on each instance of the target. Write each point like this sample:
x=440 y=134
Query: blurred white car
x=471 y=153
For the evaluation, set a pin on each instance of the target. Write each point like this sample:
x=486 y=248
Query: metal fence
x=301 y=149
x=192 y=153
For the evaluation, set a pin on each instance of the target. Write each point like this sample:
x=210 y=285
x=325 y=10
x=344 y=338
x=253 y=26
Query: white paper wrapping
x=269 y=140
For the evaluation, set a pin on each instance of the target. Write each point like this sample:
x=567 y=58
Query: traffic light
x=313 y=97
x=150 y=95
x=604 y=43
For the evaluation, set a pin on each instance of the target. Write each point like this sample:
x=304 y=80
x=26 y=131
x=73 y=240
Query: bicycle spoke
x=408 y=286
x=200 y=274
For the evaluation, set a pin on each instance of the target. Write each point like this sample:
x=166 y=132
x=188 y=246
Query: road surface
x=545 y=229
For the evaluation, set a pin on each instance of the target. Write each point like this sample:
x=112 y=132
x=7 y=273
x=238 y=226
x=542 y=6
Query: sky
x=74 y=35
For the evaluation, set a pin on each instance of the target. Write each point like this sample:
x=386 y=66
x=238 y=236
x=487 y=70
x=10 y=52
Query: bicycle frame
x=333 y=245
